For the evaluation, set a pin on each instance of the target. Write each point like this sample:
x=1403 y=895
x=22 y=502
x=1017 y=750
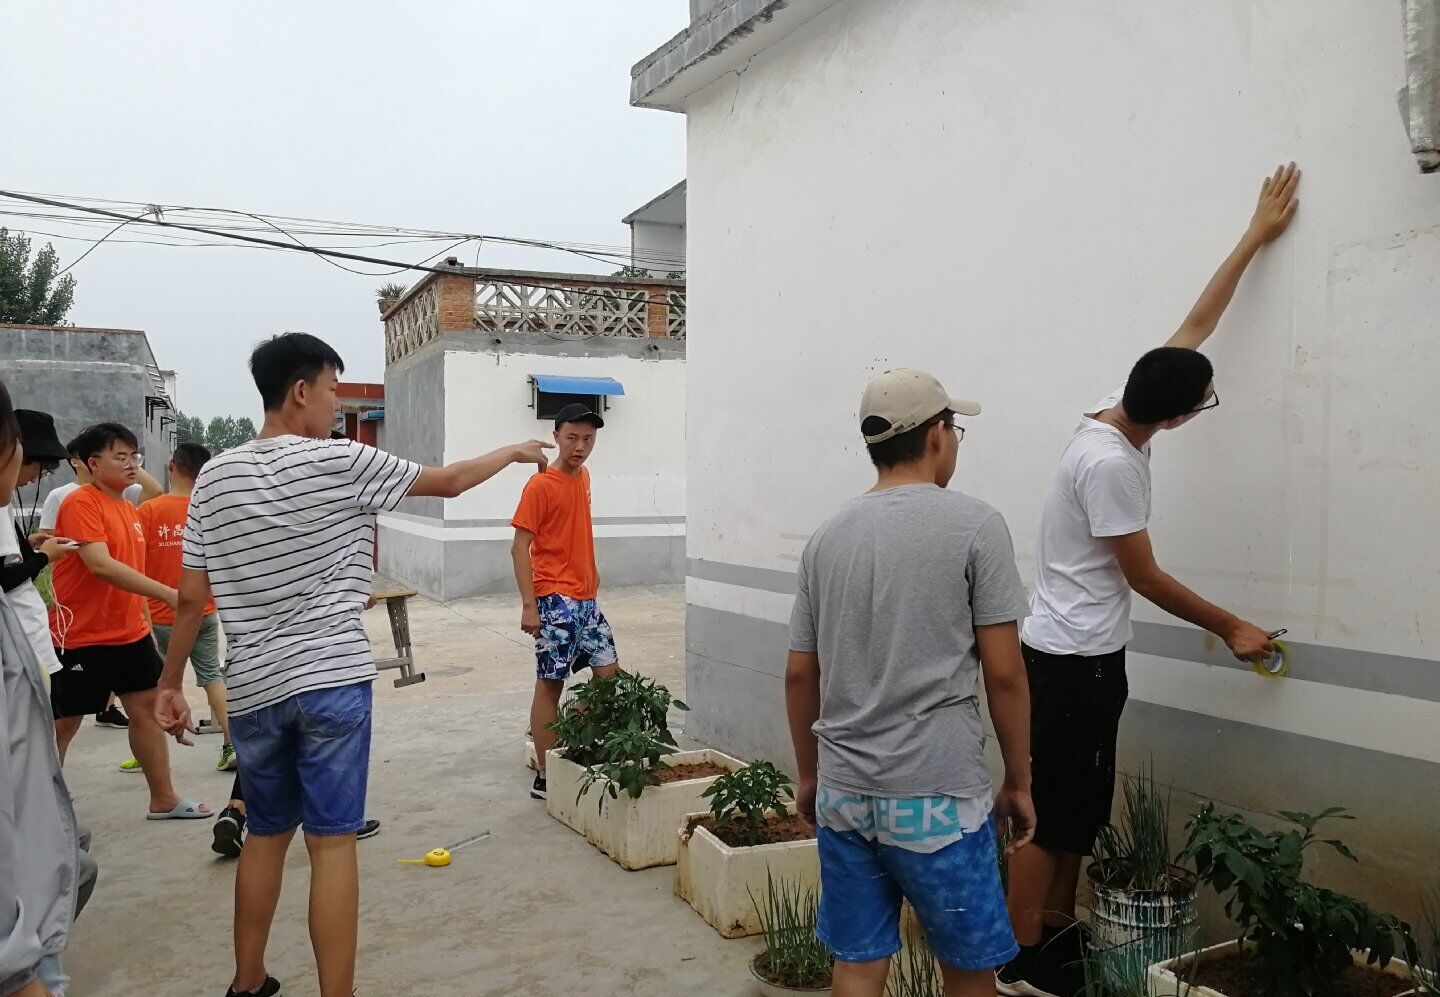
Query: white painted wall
x=652 y=242
x=637 y=468
x=1024 y=197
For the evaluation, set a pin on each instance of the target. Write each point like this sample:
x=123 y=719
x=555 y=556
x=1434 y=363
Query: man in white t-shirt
x=1093 y=549
x=280 y=532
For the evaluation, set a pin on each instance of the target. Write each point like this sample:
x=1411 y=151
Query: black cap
x=37 y=435
x=576 y=412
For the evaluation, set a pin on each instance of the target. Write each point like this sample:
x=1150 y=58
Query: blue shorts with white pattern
x=937 y=852
x=574 y=634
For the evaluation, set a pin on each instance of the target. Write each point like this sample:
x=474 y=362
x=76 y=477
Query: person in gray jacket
x=39 y=851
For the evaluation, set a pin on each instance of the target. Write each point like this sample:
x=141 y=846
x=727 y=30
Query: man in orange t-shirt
x=163 y=520
x=554 y=555
x=98 y=620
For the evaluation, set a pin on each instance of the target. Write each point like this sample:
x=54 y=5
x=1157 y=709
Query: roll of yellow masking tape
x=1277 y=665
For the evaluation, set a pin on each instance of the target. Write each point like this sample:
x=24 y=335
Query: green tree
x=30 y=294
x=245 y=430
x=222 y=432
x=189 y=429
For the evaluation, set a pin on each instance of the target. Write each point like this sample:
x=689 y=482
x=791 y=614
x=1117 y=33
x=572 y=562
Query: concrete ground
x=532 y=910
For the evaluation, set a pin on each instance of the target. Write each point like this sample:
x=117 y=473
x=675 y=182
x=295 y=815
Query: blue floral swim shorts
x=574 y=634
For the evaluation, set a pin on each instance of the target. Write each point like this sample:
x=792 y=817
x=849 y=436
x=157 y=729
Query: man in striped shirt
x=281 y=534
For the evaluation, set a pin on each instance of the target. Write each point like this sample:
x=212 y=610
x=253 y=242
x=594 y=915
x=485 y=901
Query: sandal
x=184 y=810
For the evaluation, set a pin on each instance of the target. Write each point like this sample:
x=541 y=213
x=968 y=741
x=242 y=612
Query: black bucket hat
x=37 y=436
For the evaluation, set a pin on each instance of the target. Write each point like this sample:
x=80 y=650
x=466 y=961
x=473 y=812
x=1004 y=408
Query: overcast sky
x=496 y=116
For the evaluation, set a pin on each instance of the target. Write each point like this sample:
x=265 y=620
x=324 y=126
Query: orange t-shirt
x=163 y=520
x=556 y=508
x=98 y=612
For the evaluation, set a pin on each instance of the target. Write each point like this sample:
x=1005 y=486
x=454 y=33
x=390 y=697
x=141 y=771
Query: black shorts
x=1075 y=707
x=90 y=674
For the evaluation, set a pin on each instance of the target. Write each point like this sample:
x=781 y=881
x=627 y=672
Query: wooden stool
x=395 y=604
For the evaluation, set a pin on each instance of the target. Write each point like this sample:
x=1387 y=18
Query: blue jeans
x=306 y=760
x=50 y=973
x=955 y=891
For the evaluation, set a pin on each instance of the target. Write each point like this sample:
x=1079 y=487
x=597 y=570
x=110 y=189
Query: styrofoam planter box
x=1162 y=982
x=637 y=833
x=531 y=762
x=717 y=880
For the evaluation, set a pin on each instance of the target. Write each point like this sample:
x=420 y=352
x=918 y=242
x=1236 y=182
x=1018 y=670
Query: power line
x=100 y=240
x=296 y=246
x=228 y=221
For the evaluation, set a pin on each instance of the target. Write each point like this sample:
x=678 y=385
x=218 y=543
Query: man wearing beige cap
x=906 y=597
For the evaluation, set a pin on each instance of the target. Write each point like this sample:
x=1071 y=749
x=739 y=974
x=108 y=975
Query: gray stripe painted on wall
x=736 y=694
x=1416 y=678
x=765 y=579
x=1372 y=671
x=455 y=524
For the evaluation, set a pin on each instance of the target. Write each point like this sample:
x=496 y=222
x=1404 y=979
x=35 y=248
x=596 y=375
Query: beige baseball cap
x=904 y=399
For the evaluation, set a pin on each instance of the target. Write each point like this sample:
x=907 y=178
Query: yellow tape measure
x=438 y=858
x=1278 y=664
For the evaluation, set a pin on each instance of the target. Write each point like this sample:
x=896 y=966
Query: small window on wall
x=549 y=403
x=552 y=392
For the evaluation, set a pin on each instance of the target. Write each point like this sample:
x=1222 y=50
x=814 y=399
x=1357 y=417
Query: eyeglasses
x=135 y=460
x=959 y=430
x=1214 y=402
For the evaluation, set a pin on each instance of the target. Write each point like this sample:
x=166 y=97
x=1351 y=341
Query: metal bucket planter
x=1133 y=930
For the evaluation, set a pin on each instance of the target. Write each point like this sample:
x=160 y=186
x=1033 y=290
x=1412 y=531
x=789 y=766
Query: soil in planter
x=762 y=966
x=690 y=770
x=792 y=828
x=1238 y=975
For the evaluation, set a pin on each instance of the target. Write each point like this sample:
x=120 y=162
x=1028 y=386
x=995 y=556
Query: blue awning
x=557 y=385
x=372 y=415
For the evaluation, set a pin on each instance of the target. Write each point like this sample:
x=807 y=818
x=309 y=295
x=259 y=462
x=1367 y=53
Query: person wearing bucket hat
x=42 y=452
x=906 y=598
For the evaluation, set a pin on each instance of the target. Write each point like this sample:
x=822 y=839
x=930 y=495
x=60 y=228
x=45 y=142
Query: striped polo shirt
x=284 y=527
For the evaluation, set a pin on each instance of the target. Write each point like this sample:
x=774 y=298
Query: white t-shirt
x=50 y=509
x=25 y=599
x=285 y=529
x=1081 y=602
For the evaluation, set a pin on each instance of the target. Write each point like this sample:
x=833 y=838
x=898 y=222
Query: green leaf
x=1342 y=848
x=1298 y=817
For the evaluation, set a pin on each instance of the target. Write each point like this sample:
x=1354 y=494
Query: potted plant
x=750 y=833
x=793 y=961
x=388 y=294
x=616 y=775
x=1297 y=940
x=1424 y=953
x=1143 y=911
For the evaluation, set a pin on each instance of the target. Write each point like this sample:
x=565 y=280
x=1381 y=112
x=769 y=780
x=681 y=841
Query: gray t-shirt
x=891 y=589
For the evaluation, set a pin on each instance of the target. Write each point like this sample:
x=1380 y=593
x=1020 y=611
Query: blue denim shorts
x=574 y=634
x=955 y=891
x=306 y=760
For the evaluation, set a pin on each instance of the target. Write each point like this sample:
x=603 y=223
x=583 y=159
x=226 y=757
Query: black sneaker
x=1029 y=974
x=537 y=788
x=112 y=717
x=270 y=988
x=371 y=828
x=1066 y=946
x=229 y=832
